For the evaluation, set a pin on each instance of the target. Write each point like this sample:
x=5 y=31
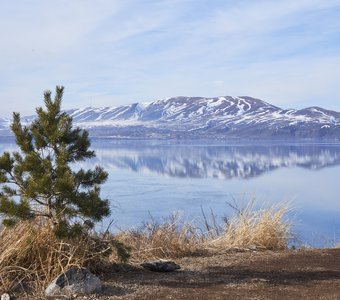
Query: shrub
x=38 y=182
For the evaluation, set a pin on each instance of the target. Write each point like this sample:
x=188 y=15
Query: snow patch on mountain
x=201 y=117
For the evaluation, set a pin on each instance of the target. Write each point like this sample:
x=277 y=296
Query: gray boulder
x=74 y=281
x=161 y=266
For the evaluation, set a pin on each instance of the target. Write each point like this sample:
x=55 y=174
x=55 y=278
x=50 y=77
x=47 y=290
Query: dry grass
x=264 y=228
x=30 y=252
x=173 y=238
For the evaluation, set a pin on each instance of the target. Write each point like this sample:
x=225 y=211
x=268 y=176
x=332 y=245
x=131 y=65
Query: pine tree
x=38 y=181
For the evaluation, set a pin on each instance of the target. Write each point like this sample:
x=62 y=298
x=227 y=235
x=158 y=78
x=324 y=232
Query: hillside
x=199 y=117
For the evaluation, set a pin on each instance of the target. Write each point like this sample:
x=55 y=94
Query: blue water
x=160 y=177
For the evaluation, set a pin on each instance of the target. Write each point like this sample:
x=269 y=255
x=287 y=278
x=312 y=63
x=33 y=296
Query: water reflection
x=187 y=160
x=158 y=180
x=218 y=161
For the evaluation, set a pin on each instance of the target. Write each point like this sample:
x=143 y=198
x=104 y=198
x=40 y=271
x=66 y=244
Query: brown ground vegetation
x=245 y=258
x=285 y=274
x=265 y=228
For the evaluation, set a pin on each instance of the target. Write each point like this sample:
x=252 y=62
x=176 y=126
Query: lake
x=160 y=177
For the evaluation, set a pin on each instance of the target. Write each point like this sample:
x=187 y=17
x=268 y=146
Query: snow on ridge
x=144 y=105
x=240 y=107
x=176 y=108
x=245 y=103
x=211 y=103
x=79 y=111
x=223 y=113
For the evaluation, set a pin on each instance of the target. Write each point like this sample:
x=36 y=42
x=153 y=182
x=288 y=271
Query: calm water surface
x=160 y=177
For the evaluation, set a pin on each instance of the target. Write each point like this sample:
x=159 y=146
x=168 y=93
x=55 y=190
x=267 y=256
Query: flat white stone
x=74 y=281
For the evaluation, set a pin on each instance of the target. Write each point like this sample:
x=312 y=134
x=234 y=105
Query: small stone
x=258 y=280
x=5 y=297
x=74 y=281
x=161 y=266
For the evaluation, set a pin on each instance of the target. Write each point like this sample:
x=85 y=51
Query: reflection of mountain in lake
x=204 y=161
x=200 y=161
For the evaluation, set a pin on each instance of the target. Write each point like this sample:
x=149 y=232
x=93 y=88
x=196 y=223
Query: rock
x=258 y=280
x=161 y=266
x=74 y=281
x=5 y=297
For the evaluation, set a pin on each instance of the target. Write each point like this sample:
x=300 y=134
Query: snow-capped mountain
x=199 y=117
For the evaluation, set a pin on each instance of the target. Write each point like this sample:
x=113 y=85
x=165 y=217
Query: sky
x=116 y=52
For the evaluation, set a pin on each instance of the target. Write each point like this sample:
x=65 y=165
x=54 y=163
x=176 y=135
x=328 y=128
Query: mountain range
x=200 y=117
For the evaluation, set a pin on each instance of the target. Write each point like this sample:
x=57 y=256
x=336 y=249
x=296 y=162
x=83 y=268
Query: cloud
x=109 y=53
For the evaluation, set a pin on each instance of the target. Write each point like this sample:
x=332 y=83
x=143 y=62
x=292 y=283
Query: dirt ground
x=291 y=274
x=298 y=274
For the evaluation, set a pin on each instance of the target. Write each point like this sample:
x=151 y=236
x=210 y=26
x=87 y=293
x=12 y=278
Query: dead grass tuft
x=173 y=238
x=265 y=228
x=30 y=253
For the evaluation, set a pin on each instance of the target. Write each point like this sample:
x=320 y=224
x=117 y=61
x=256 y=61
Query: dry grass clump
x=30 y=253
x=249 y=227
x=265 y=228
x=173 y=238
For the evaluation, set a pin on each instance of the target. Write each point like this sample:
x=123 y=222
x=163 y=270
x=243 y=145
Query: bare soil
x=298 y=274
x=291 y=274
